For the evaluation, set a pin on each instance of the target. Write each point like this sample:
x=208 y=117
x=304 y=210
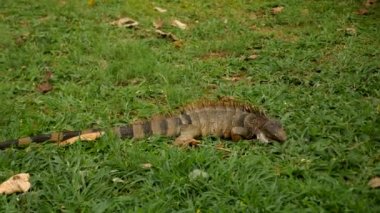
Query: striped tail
x=156 y=126
x=53 y=137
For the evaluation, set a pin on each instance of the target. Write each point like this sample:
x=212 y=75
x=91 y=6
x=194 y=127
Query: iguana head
x=271 y=130
x=266 y=129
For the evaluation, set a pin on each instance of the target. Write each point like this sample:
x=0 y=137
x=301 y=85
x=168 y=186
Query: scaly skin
x=225 y=119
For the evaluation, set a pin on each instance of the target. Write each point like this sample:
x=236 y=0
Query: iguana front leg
x=187 y=136
x=238 y=133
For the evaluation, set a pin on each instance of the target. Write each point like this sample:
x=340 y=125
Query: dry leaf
x=211 y=55
x=83 y=137
x=235 y=77
x=232 y=78
x=17 y=183
x=305 y=12
x=22 y=38
x=159 y=9
x=158 y=24
x=253 y=27
x=252 y=16
x=374 y=182
x=178 y=44
x=44 y=87
x=91 y=3
x=350 y=31
x=370 y=3
x=48 y=75
x=179 y=24
x=362 y=11
x=277 y=170
x=198 y=174
x=212 y=87
x=125 y=22
x=277 y=10
x=167 y=35
x=118 y=180
x=146 y=165
x=251 y=57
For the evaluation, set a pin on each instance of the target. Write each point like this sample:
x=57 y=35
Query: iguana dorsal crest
x=233 y=104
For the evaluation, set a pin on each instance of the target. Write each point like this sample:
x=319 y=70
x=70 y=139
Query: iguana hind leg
x=238 y=133
x=187 y=136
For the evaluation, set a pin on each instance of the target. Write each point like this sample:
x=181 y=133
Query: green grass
x=320 y=79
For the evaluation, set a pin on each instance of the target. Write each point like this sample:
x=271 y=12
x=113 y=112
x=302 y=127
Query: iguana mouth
x=262 y=138
x=280 y=137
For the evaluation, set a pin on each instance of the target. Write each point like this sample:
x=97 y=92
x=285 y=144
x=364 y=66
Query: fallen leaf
x=251 y=57
x=22 y=38
x=235 y=77
x=17 y=183
x=44 y=87
x=212 y=86
x=167 y=35
x=45 y=18
x=158 y=24
x=24 y=23
x=277 y=170
x=198 y=174
x=179 y=24
x=305 y=12
x=62 y=2
x=146 y=165
x=48 y=75
x=83 y=137
x=159 y=9
x=125 y=22
x=277 y=10
x=370 y=3
x=118 y=180
x=350 y=31
x=91 y=3
x=362 y=11
x=232 y=78
x=178 y=44
x=211 y=55
x=253 y=27
x=374 y=182
x=252 y=16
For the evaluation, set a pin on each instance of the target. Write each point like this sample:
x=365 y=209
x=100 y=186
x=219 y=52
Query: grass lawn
x=315 y=65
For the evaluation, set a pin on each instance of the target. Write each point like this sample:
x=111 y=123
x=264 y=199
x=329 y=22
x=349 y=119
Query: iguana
x=226 y=119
